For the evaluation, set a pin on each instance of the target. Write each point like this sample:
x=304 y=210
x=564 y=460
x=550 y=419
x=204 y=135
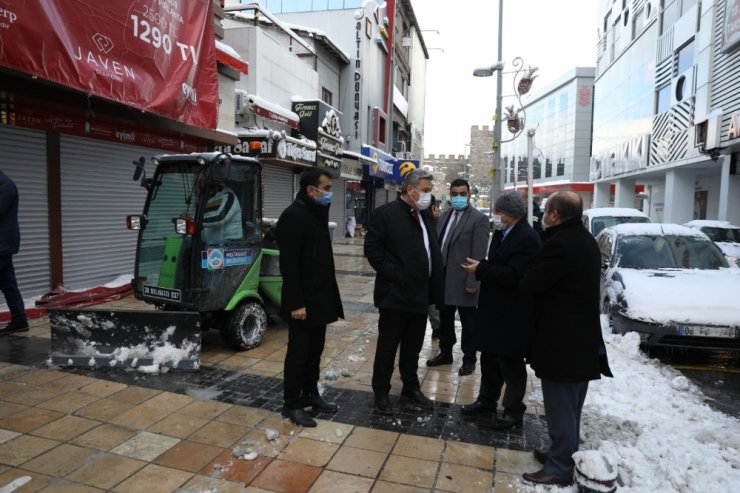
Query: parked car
x=605 y=217
x=724 y=234
x=671 y=284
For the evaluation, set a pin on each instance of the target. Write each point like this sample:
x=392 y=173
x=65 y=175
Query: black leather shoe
x=299 y=417
x=318 y=404
x=540 y=456
x=440 y=359
x=465 y=369
x=416 y=398
x=507 y=422
x=476 y=407
x=435 y=334
x=541 y=477
x=12 y=327
x=383 y=405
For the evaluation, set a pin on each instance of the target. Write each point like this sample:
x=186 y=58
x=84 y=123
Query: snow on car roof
x=701 y=223
x=613 y=211
x=657 y=229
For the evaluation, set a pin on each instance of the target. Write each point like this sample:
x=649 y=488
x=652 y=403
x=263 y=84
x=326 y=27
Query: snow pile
x=654 y=426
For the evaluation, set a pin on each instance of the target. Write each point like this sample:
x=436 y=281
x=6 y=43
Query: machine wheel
x=246 y=326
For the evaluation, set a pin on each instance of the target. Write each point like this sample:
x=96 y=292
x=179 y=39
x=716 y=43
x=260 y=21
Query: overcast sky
x=554 y=35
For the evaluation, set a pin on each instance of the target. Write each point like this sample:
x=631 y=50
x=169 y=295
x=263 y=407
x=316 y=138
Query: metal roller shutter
x=336 y=211
x=97 y=194
x=277 y=187
x=24 y=160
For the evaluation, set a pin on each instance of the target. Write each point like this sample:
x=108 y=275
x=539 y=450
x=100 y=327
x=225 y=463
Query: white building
x=666 y=93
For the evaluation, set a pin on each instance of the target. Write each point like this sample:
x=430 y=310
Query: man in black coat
x=402 y=247
x=568 y=349
x=10 y=239
x=504 y=320
x=310 y=295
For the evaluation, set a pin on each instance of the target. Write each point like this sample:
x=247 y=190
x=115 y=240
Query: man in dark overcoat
x=10 y=239
x=568 y=349
x=402 y=247
x=310 y=295
x=504 y=322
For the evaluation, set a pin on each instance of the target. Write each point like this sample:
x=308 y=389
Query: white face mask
x=497 y=222
x=425 y=200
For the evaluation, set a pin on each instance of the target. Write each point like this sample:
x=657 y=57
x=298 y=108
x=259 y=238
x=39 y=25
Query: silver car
x=671 y=284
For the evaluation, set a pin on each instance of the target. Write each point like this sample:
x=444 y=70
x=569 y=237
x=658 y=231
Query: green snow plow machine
x=201 y=261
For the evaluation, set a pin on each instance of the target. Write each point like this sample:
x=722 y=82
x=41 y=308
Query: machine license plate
x=162 y=293
x=724 y=332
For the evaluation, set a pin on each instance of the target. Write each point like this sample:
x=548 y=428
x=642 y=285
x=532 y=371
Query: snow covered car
x=724 y=234
x=599 y=218
x=671 y=284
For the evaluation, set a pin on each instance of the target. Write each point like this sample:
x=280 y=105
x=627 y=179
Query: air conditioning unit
x=242 y=103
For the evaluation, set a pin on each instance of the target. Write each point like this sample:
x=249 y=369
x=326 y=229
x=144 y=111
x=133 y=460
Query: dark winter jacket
x=307 y=263
x=10 y=233
x=505 y=319
x=564 y=284
x=394 y=246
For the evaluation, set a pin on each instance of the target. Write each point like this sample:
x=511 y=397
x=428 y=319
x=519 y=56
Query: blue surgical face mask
x=459 y=202
x=325 y=199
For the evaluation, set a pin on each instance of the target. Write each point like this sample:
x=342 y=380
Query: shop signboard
x=384 y=164
x=154 y=55
x=286 y=150
x=731 y=27
x=320 y=122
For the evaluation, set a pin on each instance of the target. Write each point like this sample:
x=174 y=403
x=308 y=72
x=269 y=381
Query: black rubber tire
x=246 y=327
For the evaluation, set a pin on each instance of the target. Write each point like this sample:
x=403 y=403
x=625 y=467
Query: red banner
x=155 y=55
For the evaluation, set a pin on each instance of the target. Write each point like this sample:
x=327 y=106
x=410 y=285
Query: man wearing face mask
x=402 y=247
x=463 y=231
x=504 y=321
x=310 y=295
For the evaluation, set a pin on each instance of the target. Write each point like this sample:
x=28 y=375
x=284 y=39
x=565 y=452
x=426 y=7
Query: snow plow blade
x=148 y=341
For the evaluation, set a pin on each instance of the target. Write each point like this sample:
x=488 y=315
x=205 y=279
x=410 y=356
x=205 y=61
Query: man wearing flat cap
x=504 y=320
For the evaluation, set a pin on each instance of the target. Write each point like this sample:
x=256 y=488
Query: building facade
x=560 y=115
x=70 y=128
x=665 y=99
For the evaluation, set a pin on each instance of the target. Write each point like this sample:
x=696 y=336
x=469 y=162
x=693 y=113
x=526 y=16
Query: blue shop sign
x=385 y=166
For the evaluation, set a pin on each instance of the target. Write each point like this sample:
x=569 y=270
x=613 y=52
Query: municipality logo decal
x=103 y=42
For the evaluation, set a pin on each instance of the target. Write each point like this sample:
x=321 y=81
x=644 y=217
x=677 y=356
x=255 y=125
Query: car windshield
x=668 y=252
x=727 y=235
x=601 y=222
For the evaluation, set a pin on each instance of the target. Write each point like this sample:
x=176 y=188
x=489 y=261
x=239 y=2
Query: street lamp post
x=522 y=82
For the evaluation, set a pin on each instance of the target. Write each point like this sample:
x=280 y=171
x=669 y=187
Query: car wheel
x=246 y=326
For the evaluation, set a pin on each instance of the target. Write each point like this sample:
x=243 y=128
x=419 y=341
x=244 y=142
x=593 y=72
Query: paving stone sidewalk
x=79 y=430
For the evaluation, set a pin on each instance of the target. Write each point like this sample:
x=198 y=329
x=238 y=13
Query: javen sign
x=154 y=55
x=320 y=122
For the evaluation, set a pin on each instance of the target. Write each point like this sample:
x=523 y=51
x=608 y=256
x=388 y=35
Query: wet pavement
x=238 y=396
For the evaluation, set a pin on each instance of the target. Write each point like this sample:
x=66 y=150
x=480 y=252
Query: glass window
x=275 y=6
x=320 y=4
x=685 y=58
x=686 y=5
x=353 y=4
x=336 y=4
x=664 y=99
x=669 y=15
x=561 y=168
x=326 y=96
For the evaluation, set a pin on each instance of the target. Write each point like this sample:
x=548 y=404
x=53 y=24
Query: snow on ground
x=653 y=423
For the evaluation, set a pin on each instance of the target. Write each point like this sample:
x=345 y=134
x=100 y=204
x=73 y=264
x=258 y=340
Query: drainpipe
x=388 y=97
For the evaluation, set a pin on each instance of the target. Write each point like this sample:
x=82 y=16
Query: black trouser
x=497 y=371
x=447 y=338
x=398 y=328
x=302 y=362
x=9 y=287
